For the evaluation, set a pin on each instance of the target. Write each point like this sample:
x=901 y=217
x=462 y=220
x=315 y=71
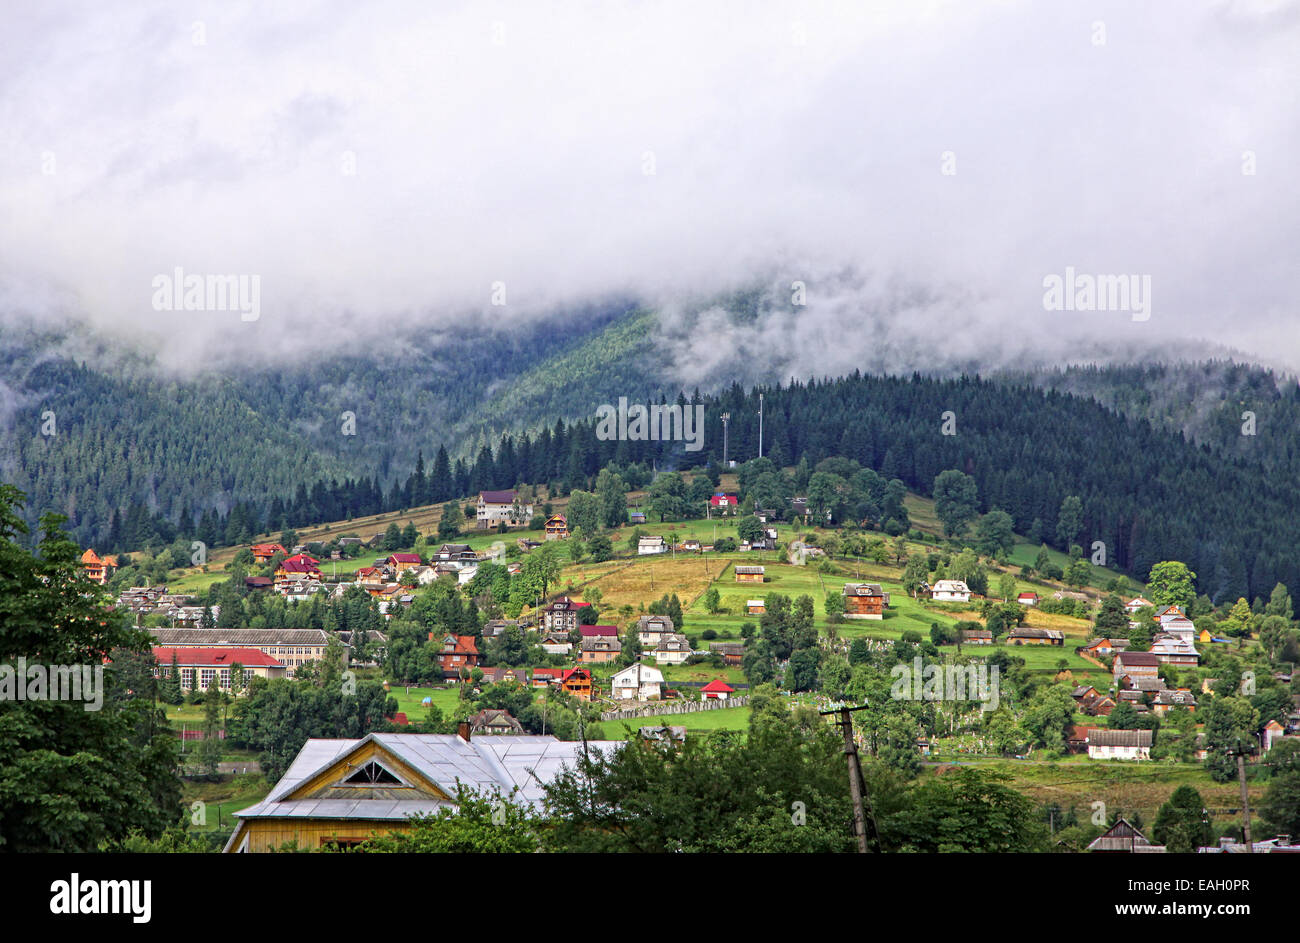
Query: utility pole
x=1240 y=752
x=856 y=787
x=760 y=425
x=726 y=418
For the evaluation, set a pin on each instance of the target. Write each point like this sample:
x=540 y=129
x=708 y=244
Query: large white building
x=637 y=682
x=502 y=507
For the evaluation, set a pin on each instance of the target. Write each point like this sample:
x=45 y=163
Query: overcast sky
x=383 y=164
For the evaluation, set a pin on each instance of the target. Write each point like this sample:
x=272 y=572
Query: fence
x=679 y=707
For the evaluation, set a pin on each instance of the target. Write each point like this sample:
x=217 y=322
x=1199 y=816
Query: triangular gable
x=336 y=774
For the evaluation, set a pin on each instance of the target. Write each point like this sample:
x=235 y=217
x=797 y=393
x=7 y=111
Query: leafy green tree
x=956 y=501
x=994 y=534
x=750 y=528
x=1280 y=809
x=1070 y=520
x=1171 y=584
x=1183 y=824
x=601 y=548
x=72 y=779
x=584 y=512
x=209 y=751
x=450 y=521
x=667 y=496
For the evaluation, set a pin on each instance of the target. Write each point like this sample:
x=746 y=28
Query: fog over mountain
x=386 y=169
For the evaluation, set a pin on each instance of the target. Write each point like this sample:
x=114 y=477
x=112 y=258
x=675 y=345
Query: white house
x=637 y=682
x=650 y=629
x=1136 y=603
x=673 y=649
x=647 y=545
x=466 y=574
x=950 y=591
x=1105 y=744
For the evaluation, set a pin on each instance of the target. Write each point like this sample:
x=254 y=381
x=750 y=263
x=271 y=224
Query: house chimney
x=462 y=730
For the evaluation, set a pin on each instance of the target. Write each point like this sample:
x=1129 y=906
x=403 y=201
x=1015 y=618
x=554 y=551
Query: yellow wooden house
x=338 y=793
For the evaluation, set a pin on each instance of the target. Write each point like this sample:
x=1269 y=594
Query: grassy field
x=730 y=718
x=222 y=799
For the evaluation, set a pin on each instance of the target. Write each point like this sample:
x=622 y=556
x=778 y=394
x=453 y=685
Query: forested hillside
x=223 y=457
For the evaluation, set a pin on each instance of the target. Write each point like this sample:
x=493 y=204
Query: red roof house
x=598 y=631
x=717 y=689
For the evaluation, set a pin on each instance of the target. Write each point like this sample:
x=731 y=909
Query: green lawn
x=730 y=718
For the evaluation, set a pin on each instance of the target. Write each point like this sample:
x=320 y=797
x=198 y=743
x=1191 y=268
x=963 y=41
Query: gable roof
x=497 y=497
x=1105 y=737
x=428 y=768
x=1135 y=659
x=717 y=686
x=598 y=631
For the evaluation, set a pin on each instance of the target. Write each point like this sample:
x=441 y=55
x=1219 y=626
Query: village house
x=755 y=607
x=732 y=652
x=299 y=564
x=401 y=562
x=200 y=666
x=750 y=574
x=1180 y=626
x=599 y=649
x=98 y=569
x=1136 y=603
x=1123 y=838
x=337 y=793
x=1023 y=635
x=977 y=636
x=1107 y=744
x=723 y=504
x=556 y=643
x=650 y=545
x=557 y=528
x=637 y=682
x=636 y=517
x=562 y=615
x=716 y=690
x=650 y=629
x=545 y=677
x=262 y=553
x=1175 y=650
x=950 y=591
x=1136 y=665
x=455 y=553
x=864 y=600
x=501 y=675
x=578 y=683
x=289 y=647
x=1168 y=699
x=1076 y=739
x=494 y=627
x=673 y=649
x=494 y=722
x=1169 y=612
x=1027 y=599
x=690 y=545
x=1105 y=647
x=458 y=652
x=502 y=507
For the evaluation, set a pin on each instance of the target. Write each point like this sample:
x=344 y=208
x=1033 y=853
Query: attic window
x=372 y=774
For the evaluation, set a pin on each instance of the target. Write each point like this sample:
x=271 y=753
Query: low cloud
x=388 y=168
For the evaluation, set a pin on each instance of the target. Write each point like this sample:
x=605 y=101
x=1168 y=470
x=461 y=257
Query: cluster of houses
x=141 y=601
